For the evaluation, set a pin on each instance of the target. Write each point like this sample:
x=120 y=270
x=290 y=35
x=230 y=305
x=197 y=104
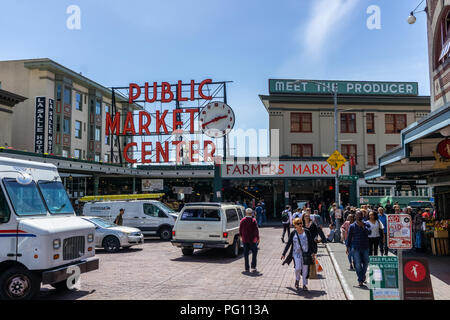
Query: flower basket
x=440 y=234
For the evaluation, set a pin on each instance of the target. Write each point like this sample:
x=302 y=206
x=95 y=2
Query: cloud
x=326 y=17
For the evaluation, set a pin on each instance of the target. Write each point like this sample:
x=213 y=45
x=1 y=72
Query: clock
x=216 y=119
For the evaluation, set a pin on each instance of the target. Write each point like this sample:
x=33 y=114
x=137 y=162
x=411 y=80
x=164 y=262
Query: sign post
x=383 y=275
x=399 y=236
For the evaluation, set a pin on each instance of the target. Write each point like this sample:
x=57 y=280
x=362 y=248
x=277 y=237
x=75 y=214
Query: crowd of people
x=363 y=231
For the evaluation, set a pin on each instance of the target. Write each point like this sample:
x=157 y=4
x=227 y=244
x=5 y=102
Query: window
x=200 y=215
x=370 y=123
x=443 y=44
x=5 y=212
x=107 y=140
x=371 y=155
x=374 y=191
x=65 y=153
x=25 y=198
x=91 y=133
x=78 y=129
x=106 y=158
x=77 y=153
x=67 y=96
x=348 y=151
x=391 y=146
x=97 y=134
x=55 y=196
x=79 y=101
x=301 y=122
x=348 y=123
x=106 y=109
x=97 y=157
x=98 y=107
x=395 y=122
x=153 y=211
x=66 y=126
x=232 y=218
x=58 y=123
x=58 y=92
x=301 y=150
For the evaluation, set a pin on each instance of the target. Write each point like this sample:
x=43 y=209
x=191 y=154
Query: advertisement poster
x=416 y=280
x=149 y=185
x=383 y=277
x=399 y=231
x=39 y=128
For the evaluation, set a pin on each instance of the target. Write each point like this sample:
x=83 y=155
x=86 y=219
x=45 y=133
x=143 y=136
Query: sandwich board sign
x=399 y=231
x=383 y=278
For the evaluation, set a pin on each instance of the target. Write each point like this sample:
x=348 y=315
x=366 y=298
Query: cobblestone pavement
x=157 y=270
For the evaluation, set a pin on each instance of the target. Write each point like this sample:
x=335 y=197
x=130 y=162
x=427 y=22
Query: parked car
x=111 y=237
x=208 y=225
x=152 y=217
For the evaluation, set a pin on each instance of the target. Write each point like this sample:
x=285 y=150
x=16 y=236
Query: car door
x=151 y=217
x=133 y=216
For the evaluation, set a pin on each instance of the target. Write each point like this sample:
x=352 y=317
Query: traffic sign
x=351 y=178
x=336 y=160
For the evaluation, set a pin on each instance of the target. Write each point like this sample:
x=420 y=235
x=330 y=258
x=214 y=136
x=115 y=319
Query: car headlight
x=135 y=234
x=90 y=237
x=56 y=244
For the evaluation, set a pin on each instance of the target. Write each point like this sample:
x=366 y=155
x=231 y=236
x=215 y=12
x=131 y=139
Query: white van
x=42 y=241
x=150 y=216
x=208 y=225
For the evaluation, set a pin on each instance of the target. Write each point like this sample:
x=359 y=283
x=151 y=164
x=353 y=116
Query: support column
x=217 y=184
x=96 y=183
x=286 y=189
x=134 y=185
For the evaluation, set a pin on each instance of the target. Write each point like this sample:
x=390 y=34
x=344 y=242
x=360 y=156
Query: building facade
x=73 y=108
x=7 y=102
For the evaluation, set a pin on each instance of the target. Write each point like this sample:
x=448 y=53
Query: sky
x=247 y=42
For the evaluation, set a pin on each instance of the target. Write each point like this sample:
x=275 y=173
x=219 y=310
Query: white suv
x=208 y=225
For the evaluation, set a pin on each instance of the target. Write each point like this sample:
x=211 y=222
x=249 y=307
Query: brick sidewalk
x=157 y=270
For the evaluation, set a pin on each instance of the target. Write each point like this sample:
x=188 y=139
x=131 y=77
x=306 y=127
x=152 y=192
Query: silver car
x=111 y=237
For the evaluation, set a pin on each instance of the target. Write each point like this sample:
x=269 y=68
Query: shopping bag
x=312 y=271
x=319 y=267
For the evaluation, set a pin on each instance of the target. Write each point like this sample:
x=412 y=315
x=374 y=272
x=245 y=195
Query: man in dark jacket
x=358 y=246
x=248 y=230
x=119 y=218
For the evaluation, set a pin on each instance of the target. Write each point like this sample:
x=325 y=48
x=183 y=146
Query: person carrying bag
x=301 y=244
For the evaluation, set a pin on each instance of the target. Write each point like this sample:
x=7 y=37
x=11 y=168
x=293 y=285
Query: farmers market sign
x=344 y=87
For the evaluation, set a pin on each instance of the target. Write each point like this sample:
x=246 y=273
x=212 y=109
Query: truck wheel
x=187 y=251
x=18 y=283
x=111 y=244
x=165 y=233
x=233 y=250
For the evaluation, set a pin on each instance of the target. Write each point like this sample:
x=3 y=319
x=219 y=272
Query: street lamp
x=333 y=90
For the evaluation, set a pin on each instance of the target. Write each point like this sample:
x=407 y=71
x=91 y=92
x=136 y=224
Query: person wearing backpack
x=286 y=220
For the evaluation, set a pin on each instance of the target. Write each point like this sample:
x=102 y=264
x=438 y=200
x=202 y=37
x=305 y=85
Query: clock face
x=216 y=119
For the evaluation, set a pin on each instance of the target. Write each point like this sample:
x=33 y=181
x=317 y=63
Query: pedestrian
x=332 y=228
x=358 y=246
x=286 y=220
x=384 y=250
x=333 y=213
x=397 y=209
x=301 y=244
x=259 y=213
x=297 y=214
x=365 y=213
x=344 y=231
x=264 y=213
x=309 y=225
x=418 y=229
x=119 y=218
x=388 y=208
x=249 y=233
x=376 y=233
x=319 y=223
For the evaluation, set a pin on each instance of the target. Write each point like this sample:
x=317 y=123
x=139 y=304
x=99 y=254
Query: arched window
x=442 y=42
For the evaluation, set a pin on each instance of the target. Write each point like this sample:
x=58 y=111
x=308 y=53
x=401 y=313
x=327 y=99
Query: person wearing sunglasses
x=301 y=244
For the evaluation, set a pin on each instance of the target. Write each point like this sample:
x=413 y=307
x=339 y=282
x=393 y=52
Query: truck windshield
x=55 y=197
x=166 y=208
x=25 y=199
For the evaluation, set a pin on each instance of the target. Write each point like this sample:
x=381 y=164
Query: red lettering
x=256 y=168
x=228 y=168
x=145 y=152
x=191 y=118
x=165 y=89
x=236 y=168
x=192 y=90
x=129 y=125
x=112 y=126
x=155 y=92
x=245 y=169
x=178 y=145
x=125 y=152
x=133 y=96
x=179 y=92
x=315 y=168
x=281 y=169
x=175 y=122
x=144 y=126
x=192 y=151
x=161 y=121
x=161 y=152
x=307 y=169
x=299 y=168
x=323 y=169
x=200 y=89
x=209 y=156
x=333 y=171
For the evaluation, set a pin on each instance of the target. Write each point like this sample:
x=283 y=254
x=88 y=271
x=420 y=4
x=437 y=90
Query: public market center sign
x=344 y=87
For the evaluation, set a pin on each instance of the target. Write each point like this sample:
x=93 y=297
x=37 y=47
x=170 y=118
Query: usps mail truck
x=42 y=241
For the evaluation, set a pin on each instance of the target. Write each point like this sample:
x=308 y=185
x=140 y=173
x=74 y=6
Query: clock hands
x=214 y=120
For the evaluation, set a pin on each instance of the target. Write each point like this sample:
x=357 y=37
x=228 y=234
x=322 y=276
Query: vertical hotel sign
x=51 y=109
x=39 y=127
